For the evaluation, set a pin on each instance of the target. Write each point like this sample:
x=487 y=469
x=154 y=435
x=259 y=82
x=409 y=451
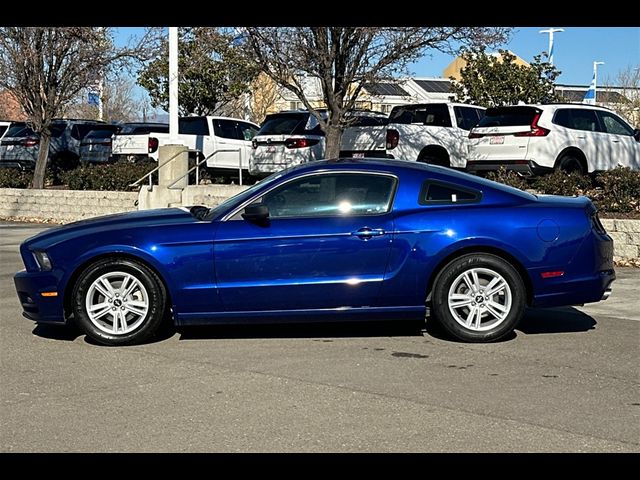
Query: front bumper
x=30 y=286
x=523 y=167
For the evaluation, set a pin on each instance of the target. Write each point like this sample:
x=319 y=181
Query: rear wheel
x=119 y=302
x=479 y=298
x=571 y=163
x=432 y=159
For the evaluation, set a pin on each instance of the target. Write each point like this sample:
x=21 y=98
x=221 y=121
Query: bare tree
x=46 y=68
x=119 y=102
x=344 y=59
x=627 y=84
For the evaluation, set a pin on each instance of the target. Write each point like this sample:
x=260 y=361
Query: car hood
x=118 y=221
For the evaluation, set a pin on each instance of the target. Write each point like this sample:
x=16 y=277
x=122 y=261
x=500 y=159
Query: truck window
x=226 y=129
x=247 y=131
x=193 y=126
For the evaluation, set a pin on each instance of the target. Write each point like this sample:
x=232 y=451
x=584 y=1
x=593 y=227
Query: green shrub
x=115 y=176
x=14 y=178
x=619 y=191
x=562 y=183
x=508 y=177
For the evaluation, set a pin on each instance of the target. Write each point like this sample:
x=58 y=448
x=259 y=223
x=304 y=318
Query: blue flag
x=93 y=99
x=590 y=96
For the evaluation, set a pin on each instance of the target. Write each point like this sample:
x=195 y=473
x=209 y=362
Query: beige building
x=454 y=68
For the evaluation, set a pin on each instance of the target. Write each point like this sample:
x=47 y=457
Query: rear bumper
x=29 y=286
x=578 y=291
x=524 y=167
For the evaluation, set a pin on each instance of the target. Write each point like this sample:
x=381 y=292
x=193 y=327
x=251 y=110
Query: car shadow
x=556 y=320
x=302 y=330
x=57 y=332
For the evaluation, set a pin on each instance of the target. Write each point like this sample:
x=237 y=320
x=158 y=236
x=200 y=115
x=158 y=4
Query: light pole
x=173 y=84
x=551 y=31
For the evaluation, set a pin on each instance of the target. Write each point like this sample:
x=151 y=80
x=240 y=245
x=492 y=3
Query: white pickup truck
x=204 y=136
x=435 y=133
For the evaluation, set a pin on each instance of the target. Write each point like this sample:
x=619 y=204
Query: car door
x=230 y=144
x=326 y=245
x=622 y=147
x=246 y=132
x=582 y=130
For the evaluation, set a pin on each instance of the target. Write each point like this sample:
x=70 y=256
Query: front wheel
x=119 y=302
x=479 y=298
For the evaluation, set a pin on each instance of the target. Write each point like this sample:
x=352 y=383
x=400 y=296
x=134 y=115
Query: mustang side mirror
x=257 y=212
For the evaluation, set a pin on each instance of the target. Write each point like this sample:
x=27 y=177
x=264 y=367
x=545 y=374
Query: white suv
x=534 y=139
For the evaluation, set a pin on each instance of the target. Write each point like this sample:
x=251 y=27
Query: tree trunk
x=333 y=139
x=41 y=164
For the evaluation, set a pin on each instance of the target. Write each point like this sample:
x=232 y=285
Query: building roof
x=604 y=96
x=434 y=85
x=386 y=89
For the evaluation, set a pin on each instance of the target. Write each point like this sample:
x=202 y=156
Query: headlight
x=44 y=262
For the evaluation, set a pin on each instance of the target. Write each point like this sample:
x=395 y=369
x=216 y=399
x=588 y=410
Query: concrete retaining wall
x=70 y=205
x=626 y=237
x=63 y=205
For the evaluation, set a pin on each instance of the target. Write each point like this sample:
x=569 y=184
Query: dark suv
x=20 y=144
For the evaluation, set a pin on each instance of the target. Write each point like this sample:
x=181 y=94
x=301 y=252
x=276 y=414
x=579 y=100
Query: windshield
x=240 y=197
x=284 y=124
x=102 y=133
x=508 y=116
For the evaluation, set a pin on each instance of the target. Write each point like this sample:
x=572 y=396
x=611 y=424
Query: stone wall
x=626 y=237
x=69 y=205
x=63 y=205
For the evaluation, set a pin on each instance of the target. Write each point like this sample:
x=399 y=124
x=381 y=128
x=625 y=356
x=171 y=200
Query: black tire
x=452 y=272
x=434 y=160
x=571 y=163
x=155 y=290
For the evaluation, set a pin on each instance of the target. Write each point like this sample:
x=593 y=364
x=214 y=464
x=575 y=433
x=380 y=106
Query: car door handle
x=582 y=137
x=367 y=233
x=615 y=141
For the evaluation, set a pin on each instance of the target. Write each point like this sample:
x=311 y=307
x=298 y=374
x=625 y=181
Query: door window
x=342 y=194
x=247 y=131
x=577 y=119
x=615 y=125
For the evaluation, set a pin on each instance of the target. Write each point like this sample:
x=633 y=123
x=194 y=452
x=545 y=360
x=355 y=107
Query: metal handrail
x=197 y=165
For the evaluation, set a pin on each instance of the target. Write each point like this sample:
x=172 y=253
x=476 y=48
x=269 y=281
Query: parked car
x=4 y=127
x=534 y=139
x=96 y=145
x=433 y=133
x=20 y=145
x=329 y=240
x=137 y=141
x=224 y=141
x=292 y=137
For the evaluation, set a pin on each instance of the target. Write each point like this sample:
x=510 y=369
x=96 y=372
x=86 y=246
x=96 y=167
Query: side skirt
x=325 y=315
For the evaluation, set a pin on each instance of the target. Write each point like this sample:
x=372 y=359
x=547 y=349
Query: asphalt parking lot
x=567 y=381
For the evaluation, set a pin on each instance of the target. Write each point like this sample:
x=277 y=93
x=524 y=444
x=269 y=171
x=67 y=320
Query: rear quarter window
x=193 y=126
x=434 y=192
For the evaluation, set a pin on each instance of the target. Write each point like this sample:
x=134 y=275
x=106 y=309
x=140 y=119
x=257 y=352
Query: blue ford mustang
x=326 y=241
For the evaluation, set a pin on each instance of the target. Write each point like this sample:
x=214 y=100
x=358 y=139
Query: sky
x=575 y=50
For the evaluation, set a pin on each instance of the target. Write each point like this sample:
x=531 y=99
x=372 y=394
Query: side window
x=615 y=125
x=577 y=119
x=439 y=193
x=226 y=129
x=332 y=195
x=57 y=129
x=247 y=131
x=193 y=126
x=466 y=117
x=437 y=115
x=3 y=128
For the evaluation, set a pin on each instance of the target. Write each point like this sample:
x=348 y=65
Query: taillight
x=472 y=134
x=392 y=139
x=535 y=130
x=29 y=142
x=300 y=142
x=153 y=144
x=254 y=143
